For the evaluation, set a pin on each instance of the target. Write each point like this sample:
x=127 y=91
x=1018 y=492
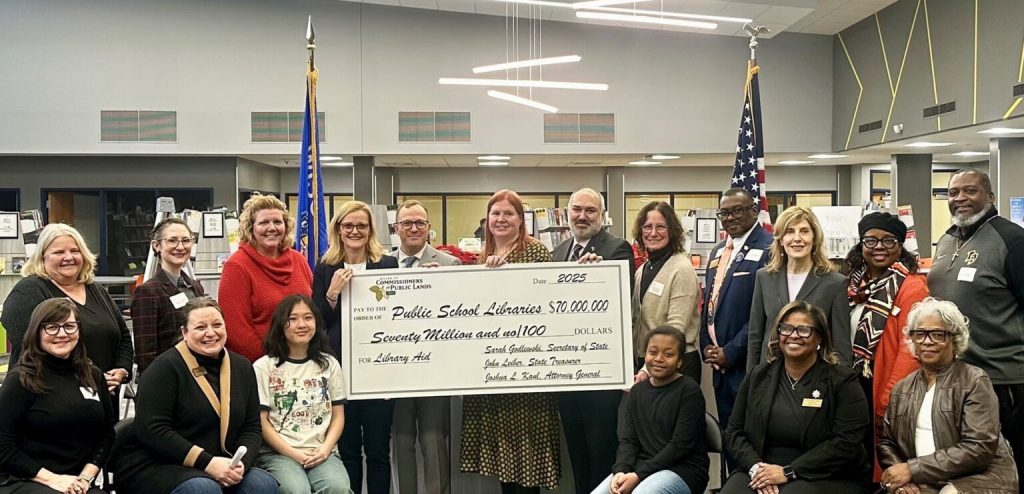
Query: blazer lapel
x=596 y=242
x=429 y=255
x=810 y=282
x=765 y=398
x=736 y=260
x=821 y=385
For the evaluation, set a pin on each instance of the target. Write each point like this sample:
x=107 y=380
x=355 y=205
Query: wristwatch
x=788 y=472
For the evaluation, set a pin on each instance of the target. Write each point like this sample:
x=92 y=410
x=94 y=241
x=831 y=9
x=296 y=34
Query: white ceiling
x=800 y=16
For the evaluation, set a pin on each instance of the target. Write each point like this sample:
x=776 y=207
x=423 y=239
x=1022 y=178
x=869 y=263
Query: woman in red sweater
x=263 y=271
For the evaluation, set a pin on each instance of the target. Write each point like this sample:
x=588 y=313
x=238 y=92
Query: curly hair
x=954 y=320
x=676 y=236
x=247 y=220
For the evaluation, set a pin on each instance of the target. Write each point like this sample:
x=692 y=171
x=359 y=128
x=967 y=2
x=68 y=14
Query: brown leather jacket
x=970 y=453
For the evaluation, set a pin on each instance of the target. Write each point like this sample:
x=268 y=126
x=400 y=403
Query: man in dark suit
x=590 y=417
x=728 y=292
x=426 y=418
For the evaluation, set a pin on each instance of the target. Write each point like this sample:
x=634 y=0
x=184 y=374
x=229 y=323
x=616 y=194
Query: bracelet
x=329 y=299
x=88 y=480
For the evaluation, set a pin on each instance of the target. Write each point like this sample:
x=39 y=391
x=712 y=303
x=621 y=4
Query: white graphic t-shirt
x=299 y=396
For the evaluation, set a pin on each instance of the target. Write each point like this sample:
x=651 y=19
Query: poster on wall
x=1017 y=210
x=213 y=225
x=840 y=228
x=9 y=225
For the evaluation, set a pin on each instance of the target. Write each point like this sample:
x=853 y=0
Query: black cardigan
x=332 y=317
x=833 y=439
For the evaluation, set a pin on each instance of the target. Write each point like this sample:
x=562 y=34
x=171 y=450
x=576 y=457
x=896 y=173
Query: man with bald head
x=590 y=417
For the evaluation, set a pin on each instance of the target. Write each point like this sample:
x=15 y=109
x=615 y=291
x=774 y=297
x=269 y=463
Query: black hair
x=986 y=181
x=739 y=191
x=668 y=331
x=30 y=362
x=275 y=344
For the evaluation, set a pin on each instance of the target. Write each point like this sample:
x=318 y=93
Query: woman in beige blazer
x=666 y=290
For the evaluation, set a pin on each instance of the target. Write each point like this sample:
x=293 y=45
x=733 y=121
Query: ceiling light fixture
x=972 y=153
x=664 y=157
x=541 y=3
x=826 y=156
x=511 y=98
x=331 y=158
x=589 y=4
x=925 y=144
x=493 y=157
x=526 y=63
x=469 y=81
x=643 y=19
x=644 y=162
x=740 y=20
x=795 y=162
x=338 y=163
x=493 y=163
x=1002 y=131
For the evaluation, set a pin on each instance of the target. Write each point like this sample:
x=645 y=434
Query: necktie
x=723 y=267
x=576 y=252
x=409 y=261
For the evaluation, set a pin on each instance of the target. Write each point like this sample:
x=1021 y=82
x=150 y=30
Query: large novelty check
x=469 y=330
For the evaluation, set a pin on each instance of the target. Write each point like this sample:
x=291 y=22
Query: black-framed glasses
x=936 y=335
x=722 y=214
x=887 y=242
x=348 y=227
x=70 y=328
x=407 y=224
x=790 y=330
x=185 y=242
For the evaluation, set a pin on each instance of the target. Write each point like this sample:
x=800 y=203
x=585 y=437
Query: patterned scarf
x=878 y=296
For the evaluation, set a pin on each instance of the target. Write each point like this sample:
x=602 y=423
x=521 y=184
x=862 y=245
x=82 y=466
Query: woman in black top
x=661 y=437
x=56 y=424
x=799 y=420
x=63 y=266
x=197 y=405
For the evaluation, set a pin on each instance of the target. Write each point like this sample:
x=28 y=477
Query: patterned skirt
x=513 y=437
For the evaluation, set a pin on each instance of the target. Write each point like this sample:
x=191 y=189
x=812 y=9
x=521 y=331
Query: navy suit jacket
x=733 y=312
x=332 y=317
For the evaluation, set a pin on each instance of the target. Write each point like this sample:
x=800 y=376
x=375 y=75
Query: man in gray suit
x=590 y=417
x=425 y=418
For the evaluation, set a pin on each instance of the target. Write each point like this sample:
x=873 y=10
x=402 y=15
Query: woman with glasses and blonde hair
x=157 y=304
x=354 y=248
x=56 y=423
x=263 y=271
x=799 y=419
x=798 y=270
x=941 y=432
x=63 y=266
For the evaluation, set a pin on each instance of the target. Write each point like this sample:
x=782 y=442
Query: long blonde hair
x=791 y=216
x=247 y=220
x=35 y=265
x=336 y=251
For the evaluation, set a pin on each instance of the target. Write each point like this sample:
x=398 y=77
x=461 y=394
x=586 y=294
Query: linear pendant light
x=467 y=81
x=643 y=19
x=682 y=15
x=526 y=63
x=589 y=4
x=522 y=101
x=542 y=3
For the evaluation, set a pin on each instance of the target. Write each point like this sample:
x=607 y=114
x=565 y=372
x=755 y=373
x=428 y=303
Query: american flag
x=748 y=172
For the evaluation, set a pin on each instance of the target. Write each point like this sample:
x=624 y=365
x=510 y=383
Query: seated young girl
x=302 y=398
x=661 y=439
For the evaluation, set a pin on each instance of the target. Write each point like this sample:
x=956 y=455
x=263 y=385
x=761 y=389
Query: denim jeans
x=255 y=481
x=661 y=482
x=328 y=477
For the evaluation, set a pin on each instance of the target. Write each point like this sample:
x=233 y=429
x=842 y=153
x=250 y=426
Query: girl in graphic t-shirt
x=302 y=402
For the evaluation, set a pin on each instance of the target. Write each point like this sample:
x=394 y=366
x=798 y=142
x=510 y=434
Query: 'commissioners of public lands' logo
x=388 y=286
x=379 y=293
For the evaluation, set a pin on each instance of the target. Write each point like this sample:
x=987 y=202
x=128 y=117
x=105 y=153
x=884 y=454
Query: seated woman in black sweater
x=661 y=436
x=56 y=418
x=799 y=421
x=197 y=405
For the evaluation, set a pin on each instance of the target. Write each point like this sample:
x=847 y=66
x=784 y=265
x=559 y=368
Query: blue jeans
x=255 y=481
x=661 y=482
x=328 y=477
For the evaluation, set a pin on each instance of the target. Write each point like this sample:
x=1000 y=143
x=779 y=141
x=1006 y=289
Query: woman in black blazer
x=798 y=270
x=354 y=248
x=799 y=420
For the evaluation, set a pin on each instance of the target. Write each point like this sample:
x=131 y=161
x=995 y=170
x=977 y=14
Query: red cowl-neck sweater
x=251 y=286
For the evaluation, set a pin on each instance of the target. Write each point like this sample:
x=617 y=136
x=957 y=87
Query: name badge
x=966 y=274
x=714 y=264
x=656 y=288
x=811 y=403
x=179 y=300
x=718 y=254
x=754 y=255
x=89 y=394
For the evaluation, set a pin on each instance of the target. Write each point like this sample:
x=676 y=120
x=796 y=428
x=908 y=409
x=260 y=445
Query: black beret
x=883 y=221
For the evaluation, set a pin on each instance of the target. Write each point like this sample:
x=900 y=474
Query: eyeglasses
x=185 y=242
x=52 y=329
x=887 y=242
x=407 y=225
x=734 y=212
x=936 y=335
x=348 y=227
x=801 y=331
x=651 y=228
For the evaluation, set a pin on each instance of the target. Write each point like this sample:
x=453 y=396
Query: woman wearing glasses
x=63 y=266
x=665 y=290
x=263 y=271
x=882 y=288
x=799 y=420
x=56 y=421
x=798 y=269
x=941 y=431
x=354 y=248
x=157 y=304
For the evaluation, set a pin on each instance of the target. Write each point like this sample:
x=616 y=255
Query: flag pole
x=754 y=32
x=310 y=39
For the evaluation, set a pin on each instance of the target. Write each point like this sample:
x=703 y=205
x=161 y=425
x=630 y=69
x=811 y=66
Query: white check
x=467 y=330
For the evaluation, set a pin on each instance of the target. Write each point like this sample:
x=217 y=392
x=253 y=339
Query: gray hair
x=955 y=322
x=588 y=191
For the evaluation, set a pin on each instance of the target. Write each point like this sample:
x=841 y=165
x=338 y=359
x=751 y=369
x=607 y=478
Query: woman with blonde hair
x=263 y=271
x=63 y=266
x=798 y=270
x=354 y=248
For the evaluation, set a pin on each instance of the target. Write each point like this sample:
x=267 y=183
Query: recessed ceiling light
x=493 y=157
x=1002 y=131
x=664 y=157
x=331 y=158
x=338 y=164
x=644 y=162
x=493 y=163
x=971 y=153
x=795 y=162
x=826 y=156
x=925 y=144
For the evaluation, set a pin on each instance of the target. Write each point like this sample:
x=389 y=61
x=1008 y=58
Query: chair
x=122 y=431
x=713 y=437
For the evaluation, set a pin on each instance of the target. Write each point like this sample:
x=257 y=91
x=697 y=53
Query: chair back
x=713 y=434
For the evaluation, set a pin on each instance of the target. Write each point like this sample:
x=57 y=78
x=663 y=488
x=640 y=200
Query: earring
x=819 y=347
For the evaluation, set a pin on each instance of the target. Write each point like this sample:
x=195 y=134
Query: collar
x=737 y=243
x=582 y=243
x=954 y=230
x=418 y=255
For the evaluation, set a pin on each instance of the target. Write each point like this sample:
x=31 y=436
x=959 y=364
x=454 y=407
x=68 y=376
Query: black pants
x=738 y=484
x=1011 y=399
x=510 y=488
x=589 y=419
x=368 y=429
